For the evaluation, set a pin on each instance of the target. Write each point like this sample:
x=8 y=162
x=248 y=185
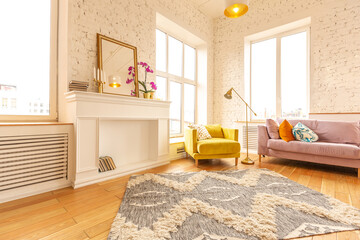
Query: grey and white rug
x=228 y=205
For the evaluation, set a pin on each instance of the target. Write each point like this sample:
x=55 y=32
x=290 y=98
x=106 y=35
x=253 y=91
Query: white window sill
x=177 y=140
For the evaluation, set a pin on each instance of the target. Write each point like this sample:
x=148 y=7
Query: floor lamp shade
x=228 y=94
x=236 y=8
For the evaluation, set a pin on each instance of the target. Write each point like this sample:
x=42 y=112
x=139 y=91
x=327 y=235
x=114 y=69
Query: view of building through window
x=25 y=57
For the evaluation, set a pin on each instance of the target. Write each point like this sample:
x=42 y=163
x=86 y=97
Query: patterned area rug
x=228 y=205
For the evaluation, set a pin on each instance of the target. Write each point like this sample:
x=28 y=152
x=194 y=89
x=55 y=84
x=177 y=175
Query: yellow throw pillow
x=285 y=131
x=215 y=131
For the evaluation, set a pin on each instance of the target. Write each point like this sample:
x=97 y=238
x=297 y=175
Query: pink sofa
x=339 y=144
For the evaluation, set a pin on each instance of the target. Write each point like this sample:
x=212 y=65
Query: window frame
x=182 y=80
x=278 y=37
x=53 y=76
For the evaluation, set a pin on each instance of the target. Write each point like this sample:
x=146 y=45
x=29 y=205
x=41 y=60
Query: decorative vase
x=152 y=95
x=147 y=95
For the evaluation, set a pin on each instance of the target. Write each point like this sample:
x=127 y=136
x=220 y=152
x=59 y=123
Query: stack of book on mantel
x=106 y=164
x=78 y=86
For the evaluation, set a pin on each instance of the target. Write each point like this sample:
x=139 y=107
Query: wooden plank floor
x=87 y=213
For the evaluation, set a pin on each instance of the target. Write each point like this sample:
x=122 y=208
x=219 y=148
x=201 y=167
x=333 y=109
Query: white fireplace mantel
x=133 y=131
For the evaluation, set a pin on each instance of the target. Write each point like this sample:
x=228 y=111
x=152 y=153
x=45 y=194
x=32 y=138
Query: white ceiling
x=175 y=30
x=211 y=8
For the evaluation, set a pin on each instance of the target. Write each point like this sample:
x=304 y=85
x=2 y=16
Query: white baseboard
x=177 y=156
x=22 y=192
x=119 y=172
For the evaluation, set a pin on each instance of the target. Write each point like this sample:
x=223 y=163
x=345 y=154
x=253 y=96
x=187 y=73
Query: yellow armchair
x=216 y=147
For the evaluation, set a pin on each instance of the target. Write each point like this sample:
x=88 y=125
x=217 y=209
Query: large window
x=176 y=79
x=279 y=76
x=28 y=59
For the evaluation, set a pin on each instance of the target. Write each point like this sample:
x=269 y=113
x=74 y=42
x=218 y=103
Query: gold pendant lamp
x=236 y=8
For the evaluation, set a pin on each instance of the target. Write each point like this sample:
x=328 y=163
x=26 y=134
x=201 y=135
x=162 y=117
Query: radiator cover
x=253 y=138
x=32 y=159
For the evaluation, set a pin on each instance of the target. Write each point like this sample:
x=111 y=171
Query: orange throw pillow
x=285 y=131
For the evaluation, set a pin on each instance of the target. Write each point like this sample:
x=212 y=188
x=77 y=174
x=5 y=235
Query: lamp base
x=247 y=161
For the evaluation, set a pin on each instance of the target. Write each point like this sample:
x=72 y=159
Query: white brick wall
x=335 y=44
x=133 y=22
x=335 y=52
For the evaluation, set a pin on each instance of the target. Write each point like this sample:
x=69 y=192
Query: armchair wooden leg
x=187 y=155
x=259 y=158
x=196 y=162
x=236 y=161
x=358 y=172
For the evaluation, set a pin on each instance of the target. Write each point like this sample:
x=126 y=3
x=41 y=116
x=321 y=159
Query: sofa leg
x=358 y=172
x=236 y=161
x=196 y=162
x=259 y=158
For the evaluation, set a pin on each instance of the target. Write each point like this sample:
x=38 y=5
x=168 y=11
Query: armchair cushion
x=218 y=146
x=215 y=131
x=202 y=132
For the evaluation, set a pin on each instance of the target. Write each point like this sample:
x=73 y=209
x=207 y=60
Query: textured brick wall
x=133 y=22
x=335 y=52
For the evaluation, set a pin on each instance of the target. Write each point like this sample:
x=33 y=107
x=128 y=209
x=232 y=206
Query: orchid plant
x=131 y=78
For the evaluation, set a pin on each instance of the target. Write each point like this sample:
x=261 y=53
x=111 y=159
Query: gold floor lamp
x=228 y=95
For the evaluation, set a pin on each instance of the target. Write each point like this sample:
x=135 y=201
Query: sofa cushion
x=339 y=150
x=218 y=146
x=304 y=134
x=285 y=131
x=272 y=128
x=310 y=123
x=332 y=131
x=339 y=132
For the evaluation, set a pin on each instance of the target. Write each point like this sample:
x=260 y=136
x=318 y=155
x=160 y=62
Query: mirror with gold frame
x=118 y=64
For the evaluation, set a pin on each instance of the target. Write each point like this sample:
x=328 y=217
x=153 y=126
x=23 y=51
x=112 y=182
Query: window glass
x=25 y=57
x=263 y=79
x=175 y=107
x=160 y=50
x=175 y=56
x=294 y=76
x=181 y=62
x=189 y=62
x=189 y=103
x=161 y=91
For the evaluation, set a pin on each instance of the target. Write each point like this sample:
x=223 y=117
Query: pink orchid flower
x=131 y=79
x=153 y=85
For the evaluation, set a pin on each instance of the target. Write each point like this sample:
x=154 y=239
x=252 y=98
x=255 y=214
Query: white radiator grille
x=31 y=159
x=253 y=142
